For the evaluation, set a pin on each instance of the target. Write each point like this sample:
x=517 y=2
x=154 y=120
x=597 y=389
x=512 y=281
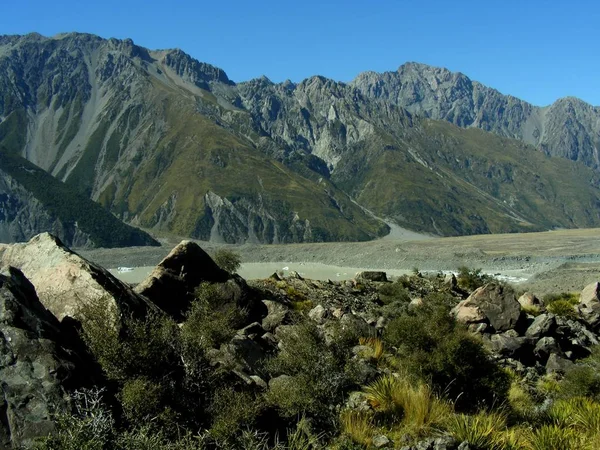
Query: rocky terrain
x=173 y=145
x=85 y=358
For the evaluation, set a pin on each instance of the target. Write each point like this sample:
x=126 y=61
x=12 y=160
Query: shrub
x=232 y=411
x=90 y=427
x=212 y=318
x=431 y=344
x=227 y=260
x=141 y=400
x=321 y=374
x=583 y=380
x=393 y=292
x=471 y=279
x=139 y=346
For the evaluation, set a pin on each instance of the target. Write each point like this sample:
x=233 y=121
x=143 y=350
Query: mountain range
x=171 y=144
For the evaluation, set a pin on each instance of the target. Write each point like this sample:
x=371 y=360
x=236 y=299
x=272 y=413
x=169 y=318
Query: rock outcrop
x=172 y=283
x=491 y=303
x=589 y=304
x=65 y=282
x=35 y=370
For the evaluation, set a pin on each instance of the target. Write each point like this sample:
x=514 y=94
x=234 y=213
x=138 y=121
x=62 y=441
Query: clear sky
x=535 y=50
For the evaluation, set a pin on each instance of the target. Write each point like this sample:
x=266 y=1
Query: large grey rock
x=277 y=314
x=529 y=300
x=371 y=275
x=543 y=325
x=493 y=303
x=514 y=347
x=35 y=370
x=172 y=283
x=589 y=304
x=558 y=364
x=65 y=282
x=545 y=347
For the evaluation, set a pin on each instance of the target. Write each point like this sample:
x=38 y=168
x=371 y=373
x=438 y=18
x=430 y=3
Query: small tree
x=227 y=260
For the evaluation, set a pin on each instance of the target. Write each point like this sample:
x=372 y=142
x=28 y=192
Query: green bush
x=583 y=380
x=141 y=400
x=432 y=345
x=212 y=319
x=227 y=260
x=471 y=279
x=393 y=292
x=320 y=374
x=132 y=347
x=232 y=412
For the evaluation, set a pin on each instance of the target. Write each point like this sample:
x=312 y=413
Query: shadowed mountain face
x=170 y=143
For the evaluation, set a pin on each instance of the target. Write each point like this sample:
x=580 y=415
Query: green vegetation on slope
x=104 y=229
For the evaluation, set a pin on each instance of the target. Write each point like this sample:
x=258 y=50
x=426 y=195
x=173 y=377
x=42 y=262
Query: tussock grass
x=485 y=430
x=412 y=407
x=358 y=426
x=552 y=437
x=375 y=344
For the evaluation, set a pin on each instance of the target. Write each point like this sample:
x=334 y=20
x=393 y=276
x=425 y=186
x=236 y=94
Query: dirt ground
x=554 y=261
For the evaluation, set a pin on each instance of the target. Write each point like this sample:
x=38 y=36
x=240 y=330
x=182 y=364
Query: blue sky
x=535 y=50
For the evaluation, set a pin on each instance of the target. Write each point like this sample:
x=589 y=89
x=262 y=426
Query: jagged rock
x=358 y=401
x=589 y=304
x=64 y=281
x=492 y=302
x=252 y=330
x=371 y=276
x=543 y=325
x=172 y=283
x=35 y=370
x=558 y=364
x=351 y=322
x=545 y=347
x=243 y=353
x=277 y=314
x=318 y=314
x=518 y=348
x=529 y=300
x=450 y=280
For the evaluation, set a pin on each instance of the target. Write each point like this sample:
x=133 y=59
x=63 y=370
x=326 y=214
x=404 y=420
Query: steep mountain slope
x=170 y=143
x=125 y=130
x=569 y=128
x=32 y=201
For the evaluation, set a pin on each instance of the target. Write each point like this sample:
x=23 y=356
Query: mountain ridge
x=169 y=143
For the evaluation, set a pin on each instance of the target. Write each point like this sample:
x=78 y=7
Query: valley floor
x=562 y=260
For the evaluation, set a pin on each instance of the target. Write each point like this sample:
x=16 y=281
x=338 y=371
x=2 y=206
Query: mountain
x=569 y=128
x=169 y=143
x=32 y=200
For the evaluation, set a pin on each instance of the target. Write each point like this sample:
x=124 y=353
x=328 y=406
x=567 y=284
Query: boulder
x=172 y=283
x=318 y=314
x=589 y=304
x=528 y=300
x=277 y=314
x=514 y=347
x=371 y=276
x=493 y=303
x=35 y=369
x=545 y=347
x=65 y=282
x=543 y=325
x=558 y=364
